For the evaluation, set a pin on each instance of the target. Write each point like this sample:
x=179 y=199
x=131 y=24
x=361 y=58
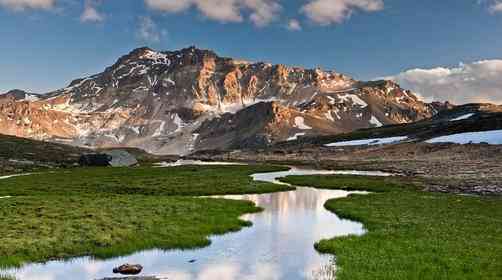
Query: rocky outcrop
x=173 y=102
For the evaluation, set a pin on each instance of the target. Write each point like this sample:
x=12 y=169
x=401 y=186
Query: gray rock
x=121 y=158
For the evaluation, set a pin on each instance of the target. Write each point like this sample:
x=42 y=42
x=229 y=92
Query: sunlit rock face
x=177 y=102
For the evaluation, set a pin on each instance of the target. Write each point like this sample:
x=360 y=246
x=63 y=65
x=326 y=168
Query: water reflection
x=279 y=245
x=182 y=162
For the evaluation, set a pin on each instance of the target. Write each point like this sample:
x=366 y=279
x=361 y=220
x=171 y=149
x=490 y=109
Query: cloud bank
x=261 y=12
x=326 y=12
x=496 y=7
x=19 y=5
x=475 y=82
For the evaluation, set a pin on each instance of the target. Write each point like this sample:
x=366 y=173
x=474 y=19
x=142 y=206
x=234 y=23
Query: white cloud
x=19 y=5
x=294 y=25
x=326 y=12
x=496 y=7
x=261 y=12
x=148 y=31
x=475 y=82
x=222 y=10
x=172 y=6
x=91 y=14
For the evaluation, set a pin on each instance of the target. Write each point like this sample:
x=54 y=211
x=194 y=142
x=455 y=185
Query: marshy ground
x=412 y=234
x=106 y=212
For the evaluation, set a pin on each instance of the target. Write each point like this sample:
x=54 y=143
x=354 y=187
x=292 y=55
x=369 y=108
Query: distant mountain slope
x=17 y=95
x=469 y=118
x=177 y=102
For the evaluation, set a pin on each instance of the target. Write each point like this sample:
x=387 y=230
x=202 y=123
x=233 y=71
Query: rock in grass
x=133 y=278
x=128 y=269
x=121 y=158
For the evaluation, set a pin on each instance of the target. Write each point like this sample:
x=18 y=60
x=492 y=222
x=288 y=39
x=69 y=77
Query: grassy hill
x=19 y=155
x=22 y=155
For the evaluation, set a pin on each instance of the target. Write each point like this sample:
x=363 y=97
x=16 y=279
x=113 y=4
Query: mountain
x=17 y=94
x=177 y=102
x=476 y=123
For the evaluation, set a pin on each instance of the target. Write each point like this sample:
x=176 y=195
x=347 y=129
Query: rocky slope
x=468 y=118
x=176 y=102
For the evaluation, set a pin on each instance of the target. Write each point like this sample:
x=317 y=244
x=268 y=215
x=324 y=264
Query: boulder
x=132 y=278
x=115 y=158
x=121 y=158
x=94 y=160
x=128 y=269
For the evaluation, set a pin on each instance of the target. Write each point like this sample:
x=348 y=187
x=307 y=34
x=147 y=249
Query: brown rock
x=128 y=269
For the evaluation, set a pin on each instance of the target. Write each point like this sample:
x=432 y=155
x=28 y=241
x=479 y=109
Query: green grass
x=47 y=227
x=183 y=180
x=107 y=212
x=412 y=234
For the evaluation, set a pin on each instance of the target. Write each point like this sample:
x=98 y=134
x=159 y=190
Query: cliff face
x=181 y=101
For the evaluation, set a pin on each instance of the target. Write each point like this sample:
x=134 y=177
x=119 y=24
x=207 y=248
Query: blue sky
x=47 y=43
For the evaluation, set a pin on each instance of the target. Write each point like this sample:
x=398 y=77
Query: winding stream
x=279 y=245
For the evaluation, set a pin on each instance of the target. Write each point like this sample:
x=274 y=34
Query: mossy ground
x=412 y=234
x=182 y=180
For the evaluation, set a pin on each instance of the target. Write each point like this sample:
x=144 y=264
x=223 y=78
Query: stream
x=279 y=244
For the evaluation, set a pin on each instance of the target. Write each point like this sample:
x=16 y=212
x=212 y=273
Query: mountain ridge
x=170 y=102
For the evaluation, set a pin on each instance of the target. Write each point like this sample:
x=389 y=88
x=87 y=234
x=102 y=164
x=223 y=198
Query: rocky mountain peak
x=191 y=99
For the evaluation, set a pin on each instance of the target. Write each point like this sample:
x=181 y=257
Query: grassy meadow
x=412 y=234
x=107 y=212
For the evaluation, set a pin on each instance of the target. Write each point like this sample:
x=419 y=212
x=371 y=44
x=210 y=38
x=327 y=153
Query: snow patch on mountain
x=300 y=123
x=31 y=97
x=354 y=98
x=374 y=121
x=295 y=137
x=157 y=57
x=370 y=142
x=492 y=137
x=178 y=122
x=160 y=130
x=463 y=117
x=329 y=116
